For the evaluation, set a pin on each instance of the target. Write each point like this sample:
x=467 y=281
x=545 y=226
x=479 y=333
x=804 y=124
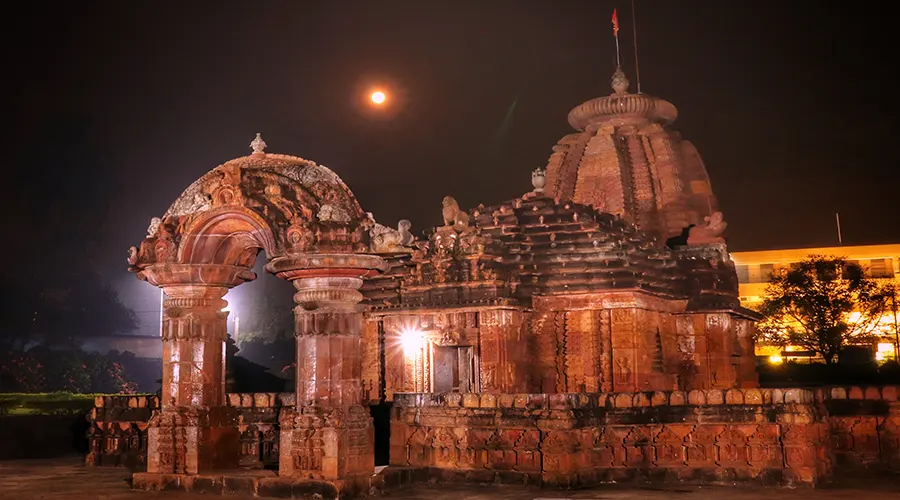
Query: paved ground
x=67 y=479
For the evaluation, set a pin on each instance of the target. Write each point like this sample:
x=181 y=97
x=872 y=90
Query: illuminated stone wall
x=758 y=435
x=768 y=436
x=600 y=342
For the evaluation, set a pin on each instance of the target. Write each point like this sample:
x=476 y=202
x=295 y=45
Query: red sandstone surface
x=67 y=479
x=586 y=333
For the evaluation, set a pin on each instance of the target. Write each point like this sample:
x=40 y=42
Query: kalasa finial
x=258 y=145
x=538 y=180
x=619 y=82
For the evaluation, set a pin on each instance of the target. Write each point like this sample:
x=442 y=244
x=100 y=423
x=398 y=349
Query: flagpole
x=837 y=218
x=637 y=71
x=618 y=62
x=615 y=23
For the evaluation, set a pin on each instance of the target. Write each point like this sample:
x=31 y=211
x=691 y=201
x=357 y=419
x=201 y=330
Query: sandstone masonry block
x=659 y=399
x=715 y=397
x=753 y=397
x=640 y=400
x=734 y=397
x=624 y=400
x=696 y=398
x=872 y=393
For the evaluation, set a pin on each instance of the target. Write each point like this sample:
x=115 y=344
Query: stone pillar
x=329 y=435
x=193 y=431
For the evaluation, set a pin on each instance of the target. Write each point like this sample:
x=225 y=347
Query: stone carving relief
x=226 y=190
x=302 y=204
x=387 y=240
x=333 y=213
x=456 y=252
x=192 y=201
x=161 y=243
x=453 y=216
x=153 y=227
x=709 y=232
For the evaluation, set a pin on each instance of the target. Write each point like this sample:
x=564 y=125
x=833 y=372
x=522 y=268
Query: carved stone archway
x=315 y=234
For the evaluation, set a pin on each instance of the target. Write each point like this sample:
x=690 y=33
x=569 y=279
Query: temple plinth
x=329 y=435
x=193 y=431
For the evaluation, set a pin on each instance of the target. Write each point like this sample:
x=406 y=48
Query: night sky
x=116 y=107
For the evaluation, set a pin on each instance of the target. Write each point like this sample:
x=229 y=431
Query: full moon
x=378 y=97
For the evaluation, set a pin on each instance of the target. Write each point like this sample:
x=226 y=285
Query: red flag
x=615 y=21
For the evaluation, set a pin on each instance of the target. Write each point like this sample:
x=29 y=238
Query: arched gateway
x=314 y=234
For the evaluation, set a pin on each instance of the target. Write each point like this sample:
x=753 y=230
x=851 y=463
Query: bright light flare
x=378 y=97
x=776 y=359
x=412 y=341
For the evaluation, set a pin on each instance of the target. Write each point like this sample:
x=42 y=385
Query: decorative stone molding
x=314 y=265
x=617 y=107
x=188 y=280
x=327 y=292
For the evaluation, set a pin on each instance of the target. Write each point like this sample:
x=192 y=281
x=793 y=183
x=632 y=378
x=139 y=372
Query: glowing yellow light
x=412 y=341
x=884 y=351
x=775 y=359
x=378 y=97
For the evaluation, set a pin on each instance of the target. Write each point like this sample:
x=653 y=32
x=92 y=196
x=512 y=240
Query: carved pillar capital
x=315 y=265
x=328 y=292
x=327 y=282
x=195 y=275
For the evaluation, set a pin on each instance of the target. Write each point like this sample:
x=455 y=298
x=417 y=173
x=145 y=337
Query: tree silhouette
x=61 y=311
x=815 y=305
x=63 y=298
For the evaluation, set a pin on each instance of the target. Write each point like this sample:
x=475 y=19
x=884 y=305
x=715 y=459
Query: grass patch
x=48 y=403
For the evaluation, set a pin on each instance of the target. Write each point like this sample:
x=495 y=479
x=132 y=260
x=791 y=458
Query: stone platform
x=67 y=479
x=260 y=483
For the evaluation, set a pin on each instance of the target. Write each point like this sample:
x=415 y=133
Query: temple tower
x=624 y=160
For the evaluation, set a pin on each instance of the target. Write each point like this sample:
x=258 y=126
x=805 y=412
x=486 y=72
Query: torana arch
x=316 y=235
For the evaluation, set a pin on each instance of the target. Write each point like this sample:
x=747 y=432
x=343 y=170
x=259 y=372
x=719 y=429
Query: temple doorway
x=454 y=367
x=381 y=420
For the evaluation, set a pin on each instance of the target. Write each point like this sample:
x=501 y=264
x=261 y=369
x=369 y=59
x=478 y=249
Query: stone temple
x=587 y=331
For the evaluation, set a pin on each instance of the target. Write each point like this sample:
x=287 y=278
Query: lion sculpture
x=453 y=216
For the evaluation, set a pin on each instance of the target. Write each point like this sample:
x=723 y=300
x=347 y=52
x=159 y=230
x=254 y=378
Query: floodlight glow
x=412 y=341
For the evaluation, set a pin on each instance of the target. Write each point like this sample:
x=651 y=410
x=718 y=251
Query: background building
x=755 y=268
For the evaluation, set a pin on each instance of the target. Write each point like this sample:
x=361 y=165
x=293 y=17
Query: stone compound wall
x=769 y=436
x=772 y=436
x=863 y=427
x=118 y=432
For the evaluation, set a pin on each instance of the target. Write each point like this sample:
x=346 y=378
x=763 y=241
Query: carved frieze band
x=194 y=324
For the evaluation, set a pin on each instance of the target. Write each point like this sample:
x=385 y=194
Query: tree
x=822 y=304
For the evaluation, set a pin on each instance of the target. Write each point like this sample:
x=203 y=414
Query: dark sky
x=117 y=106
